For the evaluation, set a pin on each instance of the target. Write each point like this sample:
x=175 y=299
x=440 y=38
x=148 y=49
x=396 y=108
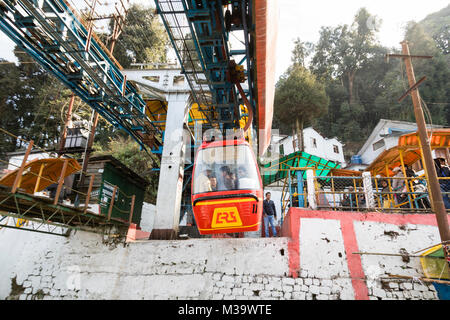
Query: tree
x=143 y=39
x=9 y=87
x=442 y=38
x=349 y=60
x=302 y=50
x=436 y=89
x=299 y=98
x=344 y=50
x=437 y=25
x=127 y=151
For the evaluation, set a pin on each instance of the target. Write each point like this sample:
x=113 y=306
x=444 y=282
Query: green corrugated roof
x=272 y=173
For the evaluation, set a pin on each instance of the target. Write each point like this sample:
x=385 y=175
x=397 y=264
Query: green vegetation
x=299 y=98
x=143 y=39
x=127 y=151
x=362 y=87
x=33 y=103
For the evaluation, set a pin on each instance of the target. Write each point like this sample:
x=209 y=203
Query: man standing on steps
x=270 y=214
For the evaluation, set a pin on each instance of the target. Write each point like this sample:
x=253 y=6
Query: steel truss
x=58 y=39
x=45 y=217
x=200 y=34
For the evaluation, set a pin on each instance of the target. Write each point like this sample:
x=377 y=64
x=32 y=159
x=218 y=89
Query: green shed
x=111 y=174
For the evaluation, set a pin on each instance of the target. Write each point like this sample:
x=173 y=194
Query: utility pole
x=119 y=21
x=62 y=139
x=430 y=169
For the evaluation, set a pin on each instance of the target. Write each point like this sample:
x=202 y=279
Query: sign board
x=107 y=192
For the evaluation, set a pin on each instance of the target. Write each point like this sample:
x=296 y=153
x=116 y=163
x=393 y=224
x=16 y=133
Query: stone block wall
x=315 y=260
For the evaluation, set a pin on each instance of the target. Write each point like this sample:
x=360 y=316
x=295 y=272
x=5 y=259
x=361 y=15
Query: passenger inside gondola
x=213 y=182
x=228 y=178
x=225 y=169
x=203 y=182
x=244 y=181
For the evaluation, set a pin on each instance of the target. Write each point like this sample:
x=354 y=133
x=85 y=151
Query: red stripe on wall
x=291 y=229
x=397 y=219
x=353 y=260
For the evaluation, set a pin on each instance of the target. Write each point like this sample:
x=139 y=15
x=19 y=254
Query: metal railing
x=111 y=204
x=364 y=193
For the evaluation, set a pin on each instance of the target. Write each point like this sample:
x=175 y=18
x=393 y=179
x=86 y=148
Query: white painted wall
x=144 y=270
x=16 y=161
x=323 y=256
x=368 y=154
x=324 y=146
x=320 y=244
x=147 y=216
x=372 y=237
x=323 y=149
x=84 y=266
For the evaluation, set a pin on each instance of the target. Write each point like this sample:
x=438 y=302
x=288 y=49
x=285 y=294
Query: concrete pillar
x=168 y=201
x=198 y=134
x=311 y=189
x=368 y=190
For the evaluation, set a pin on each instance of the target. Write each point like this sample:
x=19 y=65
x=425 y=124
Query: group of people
x=207 y=180
x=443 y=171
x=400 y=189
x=396 y=193
x=352 y=200
x=228 y=180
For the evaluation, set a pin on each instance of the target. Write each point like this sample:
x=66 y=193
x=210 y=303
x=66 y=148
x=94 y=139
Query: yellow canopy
x=51 y=172
x=439 y=138
x=345 y=173
x=434 y=264
x=409 y=146
x=157 y=112
x=389 y=159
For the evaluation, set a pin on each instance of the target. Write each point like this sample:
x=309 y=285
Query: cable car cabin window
x=224 y=169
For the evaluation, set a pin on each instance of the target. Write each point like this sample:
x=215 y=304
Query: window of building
x=378 y=145
x=336 y=149
x=314 y=143
x=178 y=80
x=281 y=149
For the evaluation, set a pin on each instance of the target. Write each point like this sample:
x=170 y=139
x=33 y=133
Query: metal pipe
x=61 y=181
x=248 y=105
x=18 y=178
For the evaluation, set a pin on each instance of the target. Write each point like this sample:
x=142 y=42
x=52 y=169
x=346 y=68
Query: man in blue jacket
x=270 y=214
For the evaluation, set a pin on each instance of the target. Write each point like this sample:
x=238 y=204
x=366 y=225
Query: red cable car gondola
x=227 y=193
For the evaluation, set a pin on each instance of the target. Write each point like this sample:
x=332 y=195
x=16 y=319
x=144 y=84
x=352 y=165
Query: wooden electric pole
x=119 y=21
x=62 y=139
x=430 y=169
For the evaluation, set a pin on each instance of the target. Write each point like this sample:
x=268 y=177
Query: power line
x=444 y=103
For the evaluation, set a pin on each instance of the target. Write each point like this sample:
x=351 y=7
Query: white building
x=383 y=137
x=16 y=158
x=314 y=143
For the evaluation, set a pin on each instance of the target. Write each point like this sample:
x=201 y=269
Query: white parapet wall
x=356 y=254
x=314 y=260
x=36 y=266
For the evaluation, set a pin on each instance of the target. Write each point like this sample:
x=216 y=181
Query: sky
x=299 y=18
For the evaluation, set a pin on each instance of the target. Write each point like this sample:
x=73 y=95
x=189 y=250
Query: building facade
x=314 y=143
x=383 y=137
